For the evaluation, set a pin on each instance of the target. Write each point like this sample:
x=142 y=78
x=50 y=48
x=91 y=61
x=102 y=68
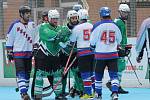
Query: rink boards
x=7 y=70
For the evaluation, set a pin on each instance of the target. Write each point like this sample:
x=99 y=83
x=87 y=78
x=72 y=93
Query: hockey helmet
x=104 y=11
x=72 y=13
x=124 y=7
x=53 y=14
x=77 y=7
x=23 y=10
x=83 y=14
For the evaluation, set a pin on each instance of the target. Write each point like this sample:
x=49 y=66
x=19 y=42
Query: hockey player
x=48 y=60
x=19 y=47
x=73 y=20
x=44 y=19
x=105 y=38
x=77 y=7
x=143 y=40
x=81 y=35
x=123 y=15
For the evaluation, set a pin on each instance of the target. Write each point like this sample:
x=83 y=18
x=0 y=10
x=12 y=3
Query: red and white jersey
x=105 y=37
x=20 y=38
x=81 y=34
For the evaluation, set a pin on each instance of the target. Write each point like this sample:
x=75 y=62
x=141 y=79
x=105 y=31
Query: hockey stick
x=134 y=71
x=33 y=83
x=69 y=80
x=55 y=86
x=70 y=55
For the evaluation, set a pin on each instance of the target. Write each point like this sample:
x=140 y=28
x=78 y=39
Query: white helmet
x=77 y=7
x=72 y=13
x=124 y=7
x=53 y=14
x=83 y=14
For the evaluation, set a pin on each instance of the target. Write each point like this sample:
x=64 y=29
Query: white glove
x=63 y=45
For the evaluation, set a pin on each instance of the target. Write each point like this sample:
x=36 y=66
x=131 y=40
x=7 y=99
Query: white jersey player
x=105 y=38
x=81 y=34
x=19 y=47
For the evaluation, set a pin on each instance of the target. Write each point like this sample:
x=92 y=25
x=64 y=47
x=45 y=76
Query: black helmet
x=24 y=9
x=44 y=13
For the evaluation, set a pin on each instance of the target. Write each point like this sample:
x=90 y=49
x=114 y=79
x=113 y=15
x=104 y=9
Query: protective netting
x=140 y=10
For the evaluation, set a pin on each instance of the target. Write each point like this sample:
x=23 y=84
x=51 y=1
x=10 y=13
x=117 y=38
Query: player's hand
x=63 y=45
x=138 y=59
x=10 y=56
x=59 y=35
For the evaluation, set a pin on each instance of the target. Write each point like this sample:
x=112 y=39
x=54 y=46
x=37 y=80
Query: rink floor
x=8 y=93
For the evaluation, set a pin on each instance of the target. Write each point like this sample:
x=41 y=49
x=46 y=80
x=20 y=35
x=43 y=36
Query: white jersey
x=142 y=35
x=81 y=34
x=20 y=39
x=105 y=37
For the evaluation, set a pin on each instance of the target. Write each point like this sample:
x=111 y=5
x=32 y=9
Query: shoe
x=122 y=91
x=86 y=97
x=114 y=96
x=37 y=98
x=79 y=93
x=98 y=97
x=25 y=96
x=65 y=93
x=73 y=92
x=108 y=84
x=60 y=97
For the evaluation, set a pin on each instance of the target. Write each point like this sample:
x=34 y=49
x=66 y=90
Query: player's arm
x=10 y=42
x=140 y=56
x=118 y=35
x=66 y=32
x=94 y=37
x=48 y=35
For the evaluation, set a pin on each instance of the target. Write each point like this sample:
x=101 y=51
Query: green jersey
x=50 y=37
x=121 y=24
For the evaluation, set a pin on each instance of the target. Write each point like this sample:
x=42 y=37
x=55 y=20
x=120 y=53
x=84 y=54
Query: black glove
x=121 y=52
x=92 y=47
x=138 y=59
x=128 y=49
x=10 y=55
x=35 y=49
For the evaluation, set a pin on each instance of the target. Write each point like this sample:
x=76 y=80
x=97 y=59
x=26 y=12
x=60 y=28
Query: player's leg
x=21 y=78
x=64 y=58
x=113 y=74
x=57 y=74
x=121 y=68
x=99 y=71
x=85 y=64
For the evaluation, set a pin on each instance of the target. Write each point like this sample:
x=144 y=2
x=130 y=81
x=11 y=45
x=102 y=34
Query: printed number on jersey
x=86 y=34
x=109 y=37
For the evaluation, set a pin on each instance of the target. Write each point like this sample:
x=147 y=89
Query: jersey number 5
x=110 y=37
x=86 y=34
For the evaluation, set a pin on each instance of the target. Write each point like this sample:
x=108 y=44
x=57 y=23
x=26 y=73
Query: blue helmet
x=104 y=11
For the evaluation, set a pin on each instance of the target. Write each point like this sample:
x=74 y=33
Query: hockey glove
x=121 y=52
x=138 y=59
x=35 y=49
x=128 y=49
x=10 y=55
x=92 y=47
x=63 y=45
